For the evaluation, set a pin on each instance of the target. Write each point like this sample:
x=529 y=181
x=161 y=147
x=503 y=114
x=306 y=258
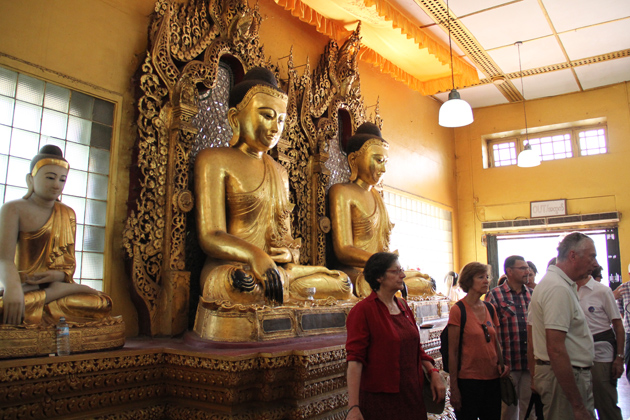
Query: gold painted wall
x=590 y=184
x=96 y=46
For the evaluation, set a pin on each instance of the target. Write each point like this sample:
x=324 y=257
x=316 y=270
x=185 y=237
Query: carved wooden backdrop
x=187 y=44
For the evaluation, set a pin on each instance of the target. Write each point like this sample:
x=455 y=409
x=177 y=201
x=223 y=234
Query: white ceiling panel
x=505 y=25
x=547 y=84
x=478 y=96
x=536 y=53
x=605 y=73
x=465 y=7
x=596 y=40
x=572 y=14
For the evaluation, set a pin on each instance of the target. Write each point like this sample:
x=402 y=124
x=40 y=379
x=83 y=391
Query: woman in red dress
x=385 y=358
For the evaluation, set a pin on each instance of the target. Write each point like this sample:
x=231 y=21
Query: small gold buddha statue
x=243 y=209
x=359 y=219
x=37 y=259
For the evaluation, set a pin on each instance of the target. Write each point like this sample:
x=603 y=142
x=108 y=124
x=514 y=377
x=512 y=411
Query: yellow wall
x=590 y=184
x=96 y=46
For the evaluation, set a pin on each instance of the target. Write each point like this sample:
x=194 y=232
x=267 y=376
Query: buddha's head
x=367 y=154
x=49 y=171
x=258 y=109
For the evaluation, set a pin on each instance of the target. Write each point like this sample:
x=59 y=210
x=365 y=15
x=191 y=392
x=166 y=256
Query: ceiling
x=567 y=45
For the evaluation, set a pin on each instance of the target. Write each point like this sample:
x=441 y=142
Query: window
x=504 y=153
x=550 y=145
x=423 y=234
x=33 y=113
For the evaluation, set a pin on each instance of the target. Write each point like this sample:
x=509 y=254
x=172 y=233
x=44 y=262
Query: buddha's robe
x=371 y=234
x=52 y=248
x=261 y=217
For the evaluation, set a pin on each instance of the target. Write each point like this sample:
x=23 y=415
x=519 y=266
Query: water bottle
x=63 y=338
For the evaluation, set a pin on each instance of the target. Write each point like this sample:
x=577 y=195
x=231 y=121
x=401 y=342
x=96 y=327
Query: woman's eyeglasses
x=398 y=270
x=486 y=333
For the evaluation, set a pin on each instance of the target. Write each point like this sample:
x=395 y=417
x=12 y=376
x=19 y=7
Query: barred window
x=422 y=234
x=504 y=153
x=550 y=145
x=35 y=112
x=592 y=142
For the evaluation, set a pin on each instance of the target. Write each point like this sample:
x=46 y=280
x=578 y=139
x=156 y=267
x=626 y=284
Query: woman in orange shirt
x=475 y=387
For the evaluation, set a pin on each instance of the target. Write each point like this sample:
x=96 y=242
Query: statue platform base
x=239 y=323
x=37 y=341
x=303 y=378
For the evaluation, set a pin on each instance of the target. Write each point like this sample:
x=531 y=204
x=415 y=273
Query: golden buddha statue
x=37 y=253
x=243 y=210
x=360 y=223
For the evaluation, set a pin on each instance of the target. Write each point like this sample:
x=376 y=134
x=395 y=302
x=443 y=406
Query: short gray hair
x=574 y=241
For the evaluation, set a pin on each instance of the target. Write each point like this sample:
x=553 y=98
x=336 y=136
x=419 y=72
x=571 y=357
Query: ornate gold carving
x=312 y=124
x=195 y=36
x=40 y=341
x=161 y=381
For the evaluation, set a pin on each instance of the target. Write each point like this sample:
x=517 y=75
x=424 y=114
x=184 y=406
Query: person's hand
x=505 y=372
x=354 y=414
x=49 y=276
x=13 y=301
x=582 y=414
x=617 y=368
x=456 y=398
x=438 y=387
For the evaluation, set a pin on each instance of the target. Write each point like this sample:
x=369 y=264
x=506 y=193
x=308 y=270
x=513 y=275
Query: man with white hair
x=560 y=345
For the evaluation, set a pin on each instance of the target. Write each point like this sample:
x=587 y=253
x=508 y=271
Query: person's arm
x=453 y=365
x=354 y=381
x=561 y=367
x=13 y=296
x=617 y=366
x=438 y=386
x=531 y=361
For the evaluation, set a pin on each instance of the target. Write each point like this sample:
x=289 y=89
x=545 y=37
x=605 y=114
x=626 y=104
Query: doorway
x=540 y=247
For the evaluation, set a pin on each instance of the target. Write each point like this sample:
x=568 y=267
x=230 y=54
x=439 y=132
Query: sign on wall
x=548 y=208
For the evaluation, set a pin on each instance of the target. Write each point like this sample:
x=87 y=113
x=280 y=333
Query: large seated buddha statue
x=360 y=223
x=37 y=260
x=243 y=210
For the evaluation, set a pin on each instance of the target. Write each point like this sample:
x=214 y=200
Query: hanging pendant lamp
x=455 y=112
x=528 y=158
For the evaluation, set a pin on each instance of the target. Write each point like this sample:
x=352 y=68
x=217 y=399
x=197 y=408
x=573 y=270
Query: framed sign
x=548 y=208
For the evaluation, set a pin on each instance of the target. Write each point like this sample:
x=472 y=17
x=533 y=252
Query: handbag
x=427 y=395
x=508 y=390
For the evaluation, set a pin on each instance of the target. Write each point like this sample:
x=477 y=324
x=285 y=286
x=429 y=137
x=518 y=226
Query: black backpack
x=444 y=335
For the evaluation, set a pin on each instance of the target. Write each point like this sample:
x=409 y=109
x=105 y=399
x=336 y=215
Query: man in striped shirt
x=512 y=301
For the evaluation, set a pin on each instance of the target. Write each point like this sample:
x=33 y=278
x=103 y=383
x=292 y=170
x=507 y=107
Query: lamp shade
x=455 y=112
x=528 y=158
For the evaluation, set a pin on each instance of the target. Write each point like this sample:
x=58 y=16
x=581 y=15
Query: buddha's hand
x=266 y=272
x=13 y=301
x=281 y=255
x=49 y=276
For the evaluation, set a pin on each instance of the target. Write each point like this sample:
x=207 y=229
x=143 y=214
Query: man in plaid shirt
x=622 y=294
x=512 y=301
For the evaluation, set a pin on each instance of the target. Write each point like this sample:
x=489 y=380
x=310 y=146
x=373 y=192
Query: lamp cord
x=520 y=68
x=450 y=46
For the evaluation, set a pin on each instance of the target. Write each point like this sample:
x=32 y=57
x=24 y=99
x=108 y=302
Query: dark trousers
x=481 y=399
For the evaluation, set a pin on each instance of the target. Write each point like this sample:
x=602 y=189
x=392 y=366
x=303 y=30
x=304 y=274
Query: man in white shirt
x=599 y=306
x=560 y=345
